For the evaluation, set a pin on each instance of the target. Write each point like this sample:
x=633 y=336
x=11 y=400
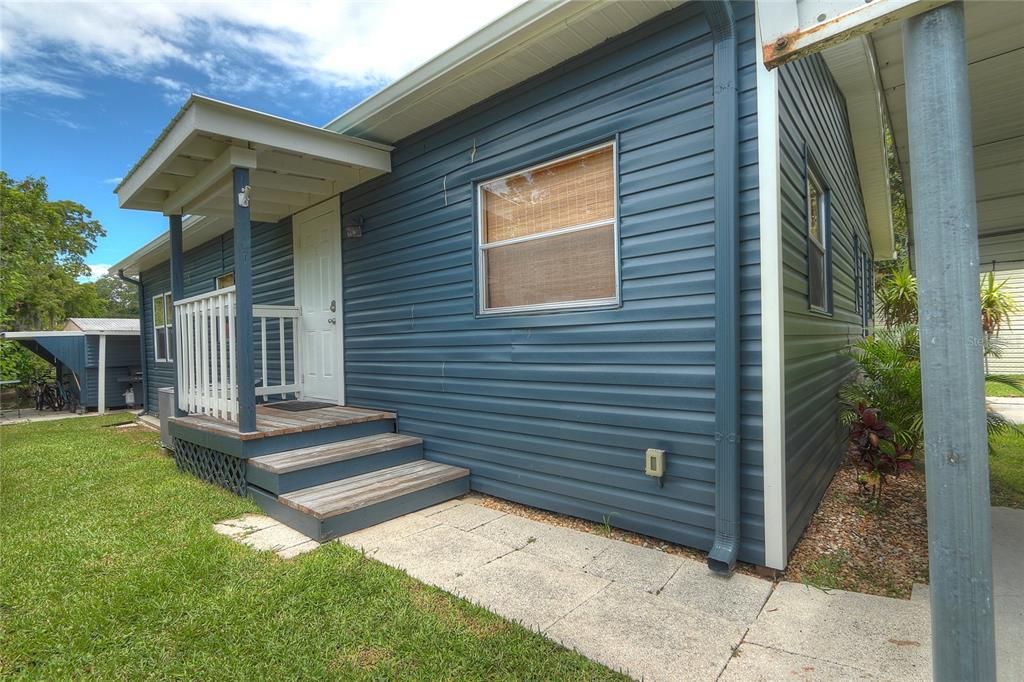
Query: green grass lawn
x=109 y=568
x=1006 y=470
x=996 y=390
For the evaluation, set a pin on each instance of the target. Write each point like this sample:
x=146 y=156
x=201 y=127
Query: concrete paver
x=755 y=663
x=440 y=554
x=276 y=538
x=639 y=567
x=559 y=545
x=659 y=616
x=467 y=516
x=369 y=539
x=1008 y=591
x=889 y=637
x=647 y=637
x=738 y=597
x=528 y=589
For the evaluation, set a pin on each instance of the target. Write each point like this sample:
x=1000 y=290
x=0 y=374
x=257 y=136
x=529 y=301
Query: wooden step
x=345 y=506
x=306 y=467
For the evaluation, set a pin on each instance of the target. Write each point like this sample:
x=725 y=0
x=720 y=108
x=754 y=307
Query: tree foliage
x=43 y=245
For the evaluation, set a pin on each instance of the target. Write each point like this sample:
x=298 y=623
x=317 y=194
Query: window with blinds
x=549 y=235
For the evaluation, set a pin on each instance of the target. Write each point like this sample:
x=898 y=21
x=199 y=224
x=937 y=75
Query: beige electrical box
x=655 y=462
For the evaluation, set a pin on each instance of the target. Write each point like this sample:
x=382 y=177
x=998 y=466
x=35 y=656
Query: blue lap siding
x=813 y=121
x=555 y=410
x=273 y=284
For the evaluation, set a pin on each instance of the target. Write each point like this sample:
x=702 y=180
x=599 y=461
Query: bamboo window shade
x=538 y=269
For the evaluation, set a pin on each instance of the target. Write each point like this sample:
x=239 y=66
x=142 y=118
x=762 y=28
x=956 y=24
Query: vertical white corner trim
x=773 y=394
x=101 y=387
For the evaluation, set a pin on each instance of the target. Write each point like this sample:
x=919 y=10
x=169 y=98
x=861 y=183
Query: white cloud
x=236 y=46
x=95 y=271
x=25 y=83
x=112 y=181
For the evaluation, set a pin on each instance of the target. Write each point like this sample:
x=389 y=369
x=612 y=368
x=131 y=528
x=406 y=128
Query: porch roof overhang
x=187 y=170
x=869 y=69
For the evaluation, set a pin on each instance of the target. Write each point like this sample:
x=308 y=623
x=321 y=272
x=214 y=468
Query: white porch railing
x=282 y=314
x=207 y=356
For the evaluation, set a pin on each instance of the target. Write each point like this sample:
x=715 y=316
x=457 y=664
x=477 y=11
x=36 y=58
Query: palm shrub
x=896 y=294
x=883 y=407
x=996 y=305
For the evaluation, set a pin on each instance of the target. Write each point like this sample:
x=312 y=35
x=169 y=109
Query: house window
x=818 y=243
x=226 y=280
x=548 y=235
x=163 y=323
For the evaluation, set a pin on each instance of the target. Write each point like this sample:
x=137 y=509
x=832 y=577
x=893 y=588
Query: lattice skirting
x=210 y=465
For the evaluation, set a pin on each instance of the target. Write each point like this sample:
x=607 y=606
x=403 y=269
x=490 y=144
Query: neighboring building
x=565 y=255
x=1004 y=255
x=97 y=358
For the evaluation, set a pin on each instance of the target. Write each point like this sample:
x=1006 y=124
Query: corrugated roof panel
x=98 y=325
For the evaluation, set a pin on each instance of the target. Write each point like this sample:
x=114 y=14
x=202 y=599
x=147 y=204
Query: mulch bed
x=854 y=544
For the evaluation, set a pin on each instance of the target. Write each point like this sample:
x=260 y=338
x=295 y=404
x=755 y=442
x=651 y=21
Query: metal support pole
x=946 y=250
x=101 y=386
x=243 y=309
x=177 y=293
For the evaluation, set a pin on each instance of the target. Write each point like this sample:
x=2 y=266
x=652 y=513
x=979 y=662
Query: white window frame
x=165 y=329
x=217 y=282
x=482 y=246
x=824 y=217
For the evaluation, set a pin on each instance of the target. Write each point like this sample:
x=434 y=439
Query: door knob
x=332 y=321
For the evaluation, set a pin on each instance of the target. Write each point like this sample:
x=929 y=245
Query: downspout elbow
x=725 y=549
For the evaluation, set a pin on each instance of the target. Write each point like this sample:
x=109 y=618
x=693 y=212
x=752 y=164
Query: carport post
x=177 y=293
x=101 y=378
x=946 y=248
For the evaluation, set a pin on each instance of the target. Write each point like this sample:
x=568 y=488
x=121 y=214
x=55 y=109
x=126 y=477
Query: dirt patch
x=603 y=529
x=853 y=544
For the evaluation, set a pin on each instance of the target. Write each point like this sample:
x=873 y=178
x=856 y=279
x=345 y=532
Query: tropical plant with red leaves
x=875 y=450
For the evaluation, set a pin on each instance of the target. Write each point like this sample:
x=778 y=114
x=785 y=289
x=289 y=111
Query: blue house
x=595 y=259
x=97 y=358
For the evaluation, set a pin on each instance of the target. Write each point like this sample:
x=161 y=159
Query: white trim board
x=773 y=384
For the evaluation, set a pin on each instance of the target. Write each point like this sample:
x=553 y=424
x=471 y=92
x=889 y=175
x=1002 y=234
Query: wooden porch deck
x=272 y=422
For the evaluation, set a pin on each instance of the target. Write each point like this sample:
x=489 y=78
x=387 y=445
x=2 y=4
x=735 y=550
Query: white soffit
x=187 y=170
x=854 y=68
x=529 y=40
x=995 y=56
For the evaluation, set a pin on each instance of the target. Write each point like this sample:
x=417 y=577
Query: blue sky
x=85 y=87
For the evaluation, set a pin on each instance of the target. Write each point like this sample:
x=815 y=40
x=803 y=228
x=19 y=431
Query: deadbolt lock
x=334 y=307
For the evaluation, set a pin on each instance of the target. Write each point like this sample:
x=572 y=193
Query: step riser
x=335 y=471
x=358 y=519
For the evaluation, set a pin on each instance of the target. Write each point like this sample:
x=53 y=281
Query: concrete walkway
x=652 y=615
x=26 y=415
x=1011 y=408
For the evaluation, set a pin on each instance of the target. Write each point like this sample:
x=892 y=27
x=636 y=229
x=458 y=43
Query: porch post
x=946 y=248
x=243 y=309
x=177 y=293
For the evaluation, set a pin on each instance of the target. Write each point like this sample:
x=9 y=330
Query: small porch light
x=243 y=196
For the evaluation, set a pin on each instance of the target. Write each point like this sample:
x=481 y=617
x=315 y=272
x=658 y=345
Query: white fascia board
x=855 y=69
x=39 y=334
x=227 y=120
x=477 y=46
x=791 y=29
x=773 y=369
x=163 y=149
x=155 y=247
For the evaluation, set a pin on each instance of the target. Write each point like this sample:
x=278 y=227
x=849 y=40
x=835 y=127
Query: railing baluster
x=280 y=348
x=221 y=397
x=265 y=378
x=232 y=389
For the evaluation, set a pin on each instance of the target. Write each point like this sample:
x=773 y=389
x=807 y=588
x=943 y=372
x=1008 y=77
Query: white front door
x=317 y=241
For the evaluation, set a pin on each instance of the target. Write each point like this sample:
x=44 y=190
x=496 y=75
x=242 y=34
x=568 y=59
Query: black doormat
x=299 y=405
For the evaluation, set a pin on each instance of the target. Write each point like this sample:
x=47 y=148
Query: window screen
x=163 y=323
